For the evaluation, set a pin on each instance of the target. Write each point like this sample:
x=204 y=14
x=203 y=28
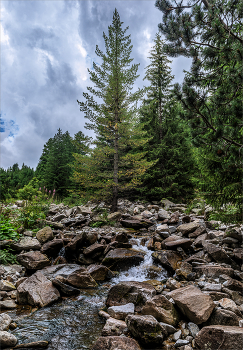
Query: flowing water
x=73 y=323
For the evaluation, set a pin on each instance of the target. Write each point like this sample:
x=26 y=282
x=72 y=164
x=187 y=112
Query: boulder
x=185 y=229
x=26 y=243
x=115 y=343
x=218 y=254
x=114 y=327
x=45 y=234
x=196 y=305
x=121 y=312
x=100 y=272
x=168 y=259
x=5 y=321
x=52 y=248
x=162 y=309
x=184 y=243
x=146 y=329
x=122 y=259
x=213 y=271
x=229 y=304
x=7 y=340
x=130 y=292
x=33 y=260
x=7 y=305
x=37 y=290
x=238 y=254
x=114 y=216
x=219 y=337
x=94 y=248
x=135 y=223
x=63 y=270
x=185 y=270
x=199 y=231
x=234 y=285
x=75 y=243
x=163 y=214
x=81 y=279
x=223 y=317
x=64 y=288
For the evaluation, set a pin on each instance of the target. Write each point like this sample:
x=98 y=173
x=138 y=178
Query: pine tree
x=113 y=165
x=211 y=33
x=170 y=176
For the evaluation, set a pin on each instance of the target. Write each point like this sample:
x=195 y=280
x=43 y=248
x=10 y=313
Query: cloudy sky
x=46 y=48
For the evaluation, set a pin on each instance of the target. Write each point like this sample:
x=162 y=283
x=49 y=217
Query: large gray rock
x=63 y=270
x=185 y=229
x=122 y=259
x=219 y=337
x=162 y=309
x=37 y=290
x=26 y=243
x=33 y=260
x=115 y=343
x=196 y=305
x=146 y=329
x=45 y=234
x=114 y=327
x=130 y=292
x=5 y=321
x=7 y=340
x=163 y=214
x=121 y=312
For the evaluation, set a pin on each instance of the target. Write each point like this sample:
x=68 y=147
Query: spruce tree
x=113 y=165
x=211 y=33
x=170 y=176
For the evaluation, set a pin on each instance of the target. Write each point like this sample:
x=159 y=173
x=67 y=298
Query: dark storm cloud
x=46 y=48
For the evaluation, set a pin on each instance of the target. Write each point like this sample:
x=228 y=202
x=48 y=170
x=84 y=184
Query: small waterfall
x=147 y=270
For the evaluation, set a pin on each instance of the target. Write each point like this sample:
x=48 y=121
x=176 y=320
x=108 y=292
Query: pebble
x=181 y=342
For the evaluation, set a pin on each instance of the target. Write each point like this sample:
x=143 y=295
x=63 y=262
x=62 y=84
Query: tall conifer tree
x=113 y=165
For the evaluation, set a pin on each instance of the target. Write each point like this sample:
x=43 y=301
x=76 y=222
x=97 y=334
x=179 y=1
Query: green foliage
x=230 y=214
x=115 y=164
x=7 y=229
x=7 y=257
x=32 y=215
x=210 y=32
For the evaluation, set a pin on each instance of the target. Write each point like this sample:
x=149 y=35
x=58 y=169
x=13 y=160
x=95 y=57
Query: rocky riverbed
x=156 y=279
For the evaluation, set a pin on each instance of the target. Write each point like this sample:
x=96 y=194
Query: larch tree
x=114 y=164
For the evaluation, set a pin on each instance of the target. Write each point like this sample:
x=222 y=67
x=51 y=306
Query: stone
x=120 y=312
x=196 y=305
x=213 y=271
x=147 y=214
x=234 y=285
x=163 y=231
x=184 y=243
x=135 y=223
x=120 y=237
x=81 y=279
x=104 y=314
x=234 y=233
x=229 y=304
x=174 y=219
x=114 y=216
x=146 y=329
x=177 y=335
x=169 y=329
x=63 y=270
x=6 y=286
x=198 y=242
x=193 y=329
x=172 y=284
x=7 y=340
x=216 y=296
x=37 y=290
x=94 y=248
x=216 y=287
x=33 y=345
x=185 y=270
x=114 y=327
x=58 y=217
x=199 y=231
x=238 y=254
x=45 y=234
x=5 y=321
x=75 y=244
x=100 y=272
x=91 y=238
x=163 y=214
x=167 y=204
x=33 y=260
x=162 y=309
x=181 y=342
x=7 y=305
x=219 y=254
x=52 y=248
x=122 y=259
x=219 y=337
x=223 y=317
x=115 y=343
x=26 y=243
x=64 y=288
x=130 y=292
x=83 y=210
x=190 y=227
x=168 y=259
x=55 y=225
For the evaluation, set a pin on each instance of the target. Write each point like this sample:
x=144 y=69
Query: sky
x=46 y=48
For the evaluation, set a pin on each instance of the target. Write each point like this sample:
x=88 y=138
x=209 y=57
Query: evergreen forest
x=163 y=140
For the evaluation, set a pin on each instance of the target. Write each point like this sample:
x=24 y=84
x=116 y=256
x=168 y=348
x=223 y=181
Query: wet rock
x=94 y=248
x=5 y=321
x=45 y=234
x=26 y=243
x=122 y=259
x=7 y=340
x=75 y=244
x=136 y=224
x=130 y=292
x=116 y=343
x=81 y=279
x=114 y=327
x=7 y=305
x=121 y=312
x=163 y=214
x=33 y=260
x=6 y=286
x=185 y=229
x=33 y=345
x=83 y=210
x=146 y=329
x=52 y=248
x=120 y=237
x=37 y=290
x=63 y=270
x=223 y=317
x=91 y=238
x=196 y=305
x=174 y=219
x=219 y=337
x=162 y=309
x=64 y=288
x=168 y=259
x=213 y=271
x=100 y=272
